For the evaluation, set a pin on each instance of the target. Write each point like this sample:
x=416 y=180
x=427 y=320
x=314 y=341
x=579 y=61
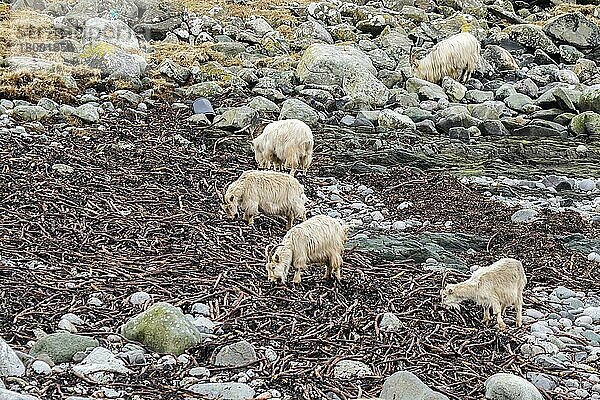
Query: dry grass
x=587 y=10
x=33 y=85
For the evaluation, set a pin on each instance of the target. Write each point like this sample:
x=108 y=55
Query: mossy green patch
x=61 y=347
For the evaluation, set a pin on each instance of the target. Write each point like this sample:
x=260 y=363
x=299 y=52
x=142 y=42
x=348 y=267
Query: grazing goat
x=499 y=285
x=319 y=239
x=287 y=143
x=456 y=57
x=269 y=192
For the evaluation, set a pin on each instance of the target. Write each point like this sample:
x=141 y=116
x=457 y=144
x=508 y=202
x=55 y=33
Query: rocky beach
x=123 y=121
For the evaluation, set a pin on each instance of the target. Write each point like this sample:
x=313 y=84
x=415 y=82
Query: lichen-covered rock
x=100 y=366
x=61 y=347
x=10 y=364
x=507 y=386
x=531 y=36
x=590 y=99
x=392 y=120
x=404 y=385
x=499 y=58
x=586 y=123
x=30 y=113
x=297 y=109
x=204 y=89
x=309 y=33
x=163 y=328
x=575 y=29
x=345 y=66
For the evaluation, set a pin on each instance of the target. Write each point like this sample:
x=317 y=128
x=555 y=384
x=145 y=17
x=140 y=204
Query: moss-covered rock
x=590 y=99
x=586 y=123
x=162 y=328
x=61 y=347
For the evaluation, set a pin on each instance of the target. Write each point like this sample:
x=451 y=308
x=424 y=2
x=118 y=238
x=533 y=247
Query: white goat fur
x=498 y=286
x=269 y=192
x=456 y=57
x=319 y=239
x=287 y=143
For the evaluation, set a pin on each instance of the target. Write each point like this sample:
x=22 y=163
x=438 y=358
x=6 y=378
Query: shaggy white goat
x=269 y=192
x=287 y=143
x=456 y=57
x=319 y=239
x=498 y=286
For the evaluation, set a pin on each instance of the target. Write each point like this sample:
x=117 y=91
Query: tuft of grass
x=33 y=85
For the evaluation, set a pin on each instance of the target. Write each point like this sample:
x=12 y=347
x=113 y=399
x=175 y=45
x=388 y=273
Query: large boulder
x=404 y=385
x=575 y=29
x=115 y=32
x=510 y=387
x=586 y=123
x=163 y=328
x=237 y=118
x=10 y=364
x=60 y=347
x=158 y=20
x=345 y=66
x=531 y=36
x=30 y=113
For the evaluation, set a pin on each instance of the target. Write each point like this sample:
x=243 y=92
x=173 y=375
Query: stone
x=389 y=321
x=478 y=96
x=40 y=367
x=297 y=109
x=163 y=328
x=87 y=113
x=499 y=58
x=593 y=312
x=115 y=63
x=345 y=66
x=575 y=29
x=425 y=89
x=586 y=123
x=404 y=385
x=541 y=381
x=61 y=347
x=237 y=118
x=392 y=120
x=590 y=99
x=200 y=372
x=204 y=89
x=115 y=32
x=504 y=386
x=351 y=369
x=493 y=128
x=223 y=391
x=174 y=71
x=563 y=293
x=10 y=395
x=586 y=185
x=139 y=298
x=455 y=90
x=100 y=366
x=30 y=113
x=264 y=105
x=531 y=36
x=236 y=355
x=518 y=101
x=10 y=364
x=525 y=215
x=310 y=33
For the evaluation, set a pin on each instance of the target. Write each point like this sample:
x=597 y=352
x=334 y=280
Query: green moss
x=213 y=71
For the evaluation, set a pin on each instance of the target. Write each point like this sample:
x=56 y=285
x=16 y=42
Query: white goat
x=456 y=57
x=269 y=192
x=319 y=239
x=498 y=286
x=287 y=143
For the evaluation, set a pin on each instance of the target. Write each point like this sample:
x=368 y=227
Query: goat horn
x=267 y=252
